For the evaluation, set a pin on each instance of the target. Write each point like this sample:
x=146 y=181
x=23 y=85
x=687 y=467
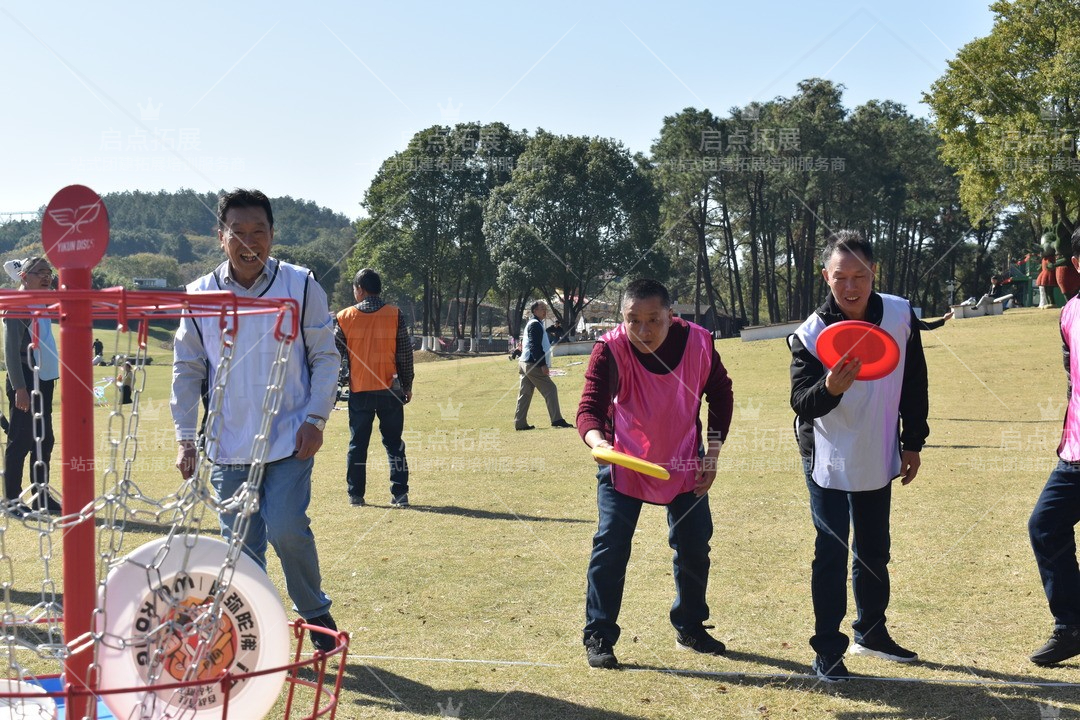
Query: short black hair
x=369 y=281
x=848 y=241
x=240 y=198
x=1076 y=242
x=538 y=303
x=644 y=288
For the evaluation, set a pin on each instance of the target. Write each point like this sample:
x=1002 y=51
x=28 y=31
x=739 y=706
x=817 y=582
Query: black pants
x=839 y=515
x=1053 y=538
x=364 y=407
x=21 y=440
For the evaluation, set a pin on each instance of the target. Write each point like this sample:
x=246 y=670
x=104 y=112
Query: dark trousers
x=364 y=407
x=834 y=513
x=1053 y=539
x=21 y=436
x=690 y=528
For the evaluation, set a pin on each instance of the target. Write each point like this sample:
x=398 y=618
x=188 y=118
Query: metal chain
x=120 y=499
x=39 y=498
x=191 y=499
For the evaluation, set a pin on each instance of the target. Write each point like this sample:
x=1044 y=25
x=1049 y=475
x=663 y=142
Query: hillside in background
x=172 y=235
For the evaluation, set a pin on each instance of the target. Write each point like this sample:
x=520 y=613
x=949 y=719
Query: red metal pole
x=77 y=446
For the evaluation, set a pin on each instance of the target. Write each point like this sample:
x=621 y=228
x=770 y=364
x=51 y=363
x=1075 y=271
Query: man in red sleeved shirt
x=642 y=396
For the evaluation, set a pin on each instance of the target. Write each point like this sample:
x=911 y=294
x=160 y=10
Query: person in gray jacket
x=33 y=274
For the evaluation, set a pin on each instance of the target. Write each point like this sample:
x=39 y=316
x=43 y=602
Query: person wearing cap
x=27 y=395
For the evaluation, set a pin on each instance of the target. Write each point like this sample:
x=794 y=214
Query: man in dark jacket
x=856 y=437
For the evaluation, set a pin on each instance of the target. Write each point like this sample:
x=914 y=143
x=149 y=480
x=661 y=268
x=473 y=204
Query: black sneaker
x=401 y=501
x=830 y=668
x=527 y=427
x=601 y=653
x=885 y=648
x=18 y=509
x=699 y=641
x=322 y=641
x=359 y=501
x=560 y=423
x=1063 y=644
x=49 y=507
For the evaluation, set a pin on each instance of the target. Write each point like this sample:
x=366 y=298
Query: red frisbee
x=857 y=339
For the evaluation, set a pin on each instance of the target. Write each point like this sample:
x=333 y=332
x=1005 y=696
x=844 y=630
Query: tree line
x=730 y=210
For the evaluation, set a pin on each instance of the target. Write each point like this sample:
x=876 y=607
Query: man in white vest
x=855 y=437
x=246 y=232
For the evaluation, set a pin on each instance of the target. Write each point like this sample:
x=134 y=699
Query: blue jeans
x=1054 y=541
x=363 y=409
x=690 y=528
x=282 y=519
x=834 y=513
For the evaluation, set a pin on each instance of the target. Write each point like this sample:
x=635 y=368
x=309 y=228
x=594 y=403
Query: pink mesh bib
x=655 y=416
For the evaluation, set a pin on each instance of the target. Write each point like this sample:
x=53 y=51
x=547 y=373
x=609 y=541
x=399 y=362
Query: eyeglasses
x=44 y=272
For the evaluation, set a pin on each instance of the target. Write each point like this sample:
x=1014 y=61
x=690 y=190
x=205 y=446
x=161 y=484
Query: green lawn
x=475 y=595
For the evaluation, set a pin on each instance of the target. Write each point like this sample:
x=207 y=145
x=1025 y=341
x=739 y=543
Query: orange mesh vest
x=372 y=342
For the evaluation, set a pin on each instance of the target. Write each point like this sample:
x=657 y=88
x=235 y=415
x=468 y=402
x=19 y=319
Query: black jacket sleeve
x=809 y=398
x=930 y=324
x=16 y=341
x=914 y=396
x=343 y=350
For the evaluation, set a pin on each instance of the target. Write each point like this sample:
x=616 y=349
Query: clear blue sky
x=308 y=99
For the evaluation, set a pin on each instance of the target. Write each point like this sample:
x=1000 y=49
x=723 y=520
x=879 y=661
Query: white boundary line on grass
x=463 y=661
x=732 y=674
x=795 y=676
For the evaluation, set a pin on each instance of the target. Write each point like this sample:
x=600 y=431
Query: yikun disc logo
x=182 y=646
x=75 y=228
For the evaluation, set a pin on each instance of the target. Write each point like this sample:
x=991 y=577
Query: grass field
x=475 y=595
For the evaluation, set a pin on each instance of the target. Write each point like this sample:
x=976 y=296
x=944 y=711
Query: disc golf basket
x=95 y=621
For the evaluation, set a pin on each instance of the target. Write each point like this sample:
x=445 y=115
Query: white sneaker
x=883 y=648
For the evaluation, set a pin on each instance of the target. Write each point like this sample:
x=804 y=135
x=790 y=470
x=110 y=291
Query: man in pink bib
x=642 y=397
x=1052 y=527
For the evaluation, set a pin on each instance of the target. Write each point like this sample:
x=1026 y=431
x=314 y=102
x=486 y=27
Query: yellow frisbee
x=630 y=462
